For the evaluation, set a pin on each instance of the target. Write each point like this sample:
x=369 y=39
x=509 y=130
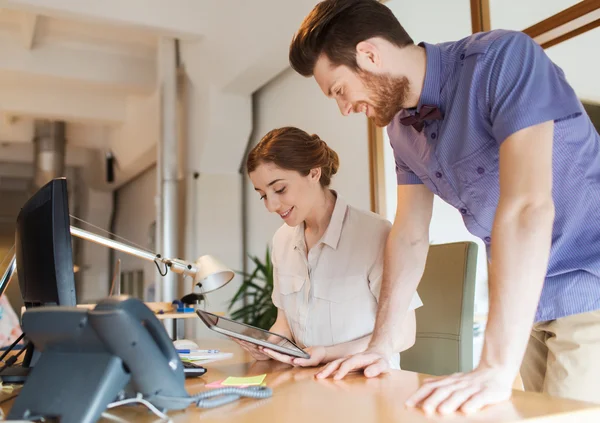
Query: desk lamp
x=207 y=272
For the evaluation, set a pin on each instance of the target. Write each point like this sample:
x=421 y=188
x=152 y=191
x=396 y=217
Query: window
x=132 y=283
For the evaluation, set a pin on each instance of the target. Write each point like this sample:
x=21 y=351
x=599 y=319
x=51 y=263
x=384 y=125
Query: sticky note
x=248 y=381
x=219 y=384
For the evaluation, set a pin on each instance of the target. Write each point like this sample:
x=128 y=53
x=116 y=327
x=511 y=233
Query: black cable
x=158 y=267
x=9 y=349
x=13 y=358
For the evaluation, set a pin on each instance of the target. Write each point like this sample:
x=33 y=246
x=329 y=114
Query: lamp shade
x=212 y=274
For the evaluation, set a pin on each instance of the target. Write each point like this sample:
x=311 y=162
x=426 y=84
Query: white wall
x=433 y=21
x=214 y=228
x=96 y=208
x=291 y=99
x=135 y=213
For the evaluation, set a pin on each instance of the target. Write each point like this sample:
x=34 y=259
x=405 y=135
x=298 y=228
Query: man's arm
x=521 y=240
x=404 y=342
x=404 y=263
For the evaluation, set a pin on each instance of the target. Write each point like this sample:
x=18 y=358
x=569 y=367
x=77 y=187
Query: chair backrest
x=444 y=341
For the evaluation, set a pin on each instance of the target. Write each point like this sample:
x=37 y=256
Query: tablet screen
x=248 y=331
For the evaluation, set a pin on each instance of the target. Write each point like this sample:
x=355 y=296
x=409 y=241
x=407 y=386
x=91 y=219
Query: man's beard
x=388 y=95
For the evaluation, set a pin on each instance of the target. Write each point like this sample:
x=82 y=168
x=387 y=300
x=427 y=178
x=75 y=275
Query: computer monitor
x=44 y=259
x=43 y=248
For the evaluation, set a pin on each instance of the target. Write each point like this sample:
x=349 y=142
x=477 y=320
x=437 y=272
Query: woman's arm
x=281 y=325
x=323 y=355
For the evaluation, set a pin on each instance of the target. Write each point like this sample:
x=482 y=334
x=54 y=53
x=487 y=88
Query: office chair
x=444 y=341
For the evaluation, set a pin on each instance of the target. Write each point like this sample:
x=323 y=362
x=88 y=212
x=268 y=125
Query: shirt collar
x=299 y=237
x=332 y=234
x=433 y=75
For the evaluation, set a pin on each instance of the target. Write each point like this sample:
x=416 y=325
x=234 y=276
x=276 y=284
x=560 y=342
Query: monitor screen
x=43 y=248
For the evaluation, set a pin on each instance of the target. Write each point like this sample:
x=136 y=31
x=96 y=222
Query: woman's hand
x=317 y=356
x=253 y=350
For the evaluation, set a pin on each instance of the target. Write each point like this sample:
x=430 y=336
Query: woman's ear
x=315 y=174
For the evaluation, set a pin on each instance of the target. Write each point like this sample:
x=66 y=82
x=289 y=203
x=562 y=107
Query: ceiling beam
x=21 y=129
x=480 y=16
x=63 y=102
x=15 y=170
x=184 y=19
x=567 y=24
x=23 y=153
x=131 y=74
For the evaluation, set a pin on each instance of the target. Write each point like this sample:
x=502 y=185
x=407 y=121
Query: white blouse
x=331 y=296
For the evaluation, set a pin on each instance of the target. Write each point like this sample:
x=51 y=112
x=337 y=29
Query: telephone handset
x=90 y=358
x=131 y=331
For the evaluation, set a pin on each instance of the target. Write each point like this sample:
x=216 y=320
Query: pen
x=184 y=351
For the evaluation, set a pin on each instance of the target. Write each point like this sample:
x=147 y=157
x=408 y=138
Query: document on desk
x=203 y=357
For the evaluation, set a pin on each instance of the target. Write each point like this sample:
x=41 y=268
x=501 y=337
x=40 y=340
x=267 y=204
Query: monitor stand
x=18 y=373
x=15 y=374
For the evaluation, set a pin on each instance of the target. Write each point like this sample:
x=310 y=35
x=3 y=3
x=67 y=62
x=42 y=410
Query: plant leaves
x=256 y=289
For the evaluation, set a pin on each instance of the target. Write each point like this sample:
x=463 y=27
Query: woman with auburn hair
x=327 y=256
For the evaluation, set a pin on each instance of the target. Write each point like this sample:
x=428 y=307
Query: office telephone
x=91 y=358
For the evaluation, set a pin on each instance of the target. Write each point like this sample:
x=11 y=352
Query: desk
x=298 y=397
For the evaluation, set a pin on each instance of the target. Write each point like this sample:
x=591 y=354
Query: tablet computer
x=251 y=334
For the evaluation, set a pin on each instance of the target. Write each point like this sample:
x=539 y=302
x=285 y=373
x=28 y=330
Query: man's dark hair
x=335 y=27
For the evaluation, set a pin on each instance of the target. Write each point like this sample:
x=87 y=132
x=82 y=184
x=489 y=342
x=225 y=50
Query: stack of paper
x=204 y=356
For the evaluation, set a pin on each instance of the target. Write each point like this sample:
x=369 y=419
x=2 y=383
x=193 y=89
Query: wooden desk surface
x=298 y=397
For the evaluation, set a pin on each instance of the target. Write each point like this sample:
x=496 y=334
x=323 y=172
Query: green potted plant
x=257 y=309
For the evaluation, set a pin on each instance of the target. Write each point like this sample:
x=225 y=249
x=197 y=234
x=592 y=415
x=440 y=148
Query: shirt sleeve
x=523 y=87
x=404 y=175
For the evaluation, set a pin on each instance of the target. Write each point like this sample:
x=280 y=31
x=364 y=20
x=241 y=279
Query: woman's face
x=286 y=192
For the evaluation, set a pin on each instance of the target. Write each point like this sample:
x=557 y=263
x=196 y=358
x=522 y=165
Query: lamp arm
x=8 y=274
x=175 y=265
x=207 y=273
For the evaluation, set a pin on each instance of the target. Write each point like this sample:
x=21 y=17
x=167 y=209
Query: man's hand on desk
x=317 y=356
x=373 y=362
x=467 y=392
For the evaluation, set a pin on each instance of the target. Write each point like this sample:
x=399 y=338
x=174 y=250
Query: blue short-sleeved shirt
x=489 y=86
